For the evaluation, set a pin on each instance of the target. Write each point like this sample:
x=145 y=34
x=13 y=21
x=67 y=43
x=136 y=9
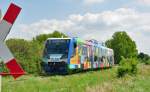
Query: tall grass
x=139 y=83
x=91 y=81
x=70 y=83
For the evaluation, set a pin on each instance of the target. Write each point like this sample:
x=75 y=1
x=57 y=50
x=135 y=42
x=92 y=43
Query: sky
x=87 y=19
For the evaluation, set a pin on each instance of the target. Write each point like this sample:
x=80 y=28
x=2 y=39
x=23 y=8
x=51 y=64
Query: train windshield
x=57 y=46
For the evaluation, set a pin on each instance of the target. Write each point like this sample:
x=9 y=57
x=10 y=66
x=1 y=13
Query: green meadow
x=91 y=81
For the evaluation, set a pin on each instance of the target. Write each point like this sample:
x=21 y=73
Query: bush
x=147 y=62
x=27 y=53
x=144 y=58
x=127 y=66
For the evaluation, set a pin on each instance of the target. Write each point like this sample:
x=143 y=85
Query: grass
x=91 y=81
x=139 y=83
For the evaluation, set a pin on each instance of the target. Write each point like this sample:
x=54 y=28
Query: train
x=63 y=55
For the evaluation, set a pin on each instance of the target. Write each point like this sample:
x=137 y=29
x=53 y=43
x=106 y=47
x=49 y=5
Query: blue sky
x=34 y=10
x=87 y=19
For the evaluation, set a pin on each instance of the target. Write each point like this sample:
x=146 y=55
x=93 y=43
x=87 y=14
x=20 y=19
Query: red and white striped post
x=5 y=54
x=0 y=61
x=0 y=83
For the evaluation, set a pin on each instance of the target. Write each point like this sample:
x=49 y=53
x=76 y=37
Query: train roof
x=57 y=38
x=87 y=42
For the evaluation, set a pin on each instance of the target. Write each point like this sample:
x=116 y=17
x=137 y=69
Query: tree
x=122 y=45
x=144 y=58
x=56 y=34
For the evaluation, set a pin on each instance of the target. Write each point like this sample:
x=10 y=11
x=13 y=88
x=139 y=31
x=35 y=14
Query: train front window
x=57 y=46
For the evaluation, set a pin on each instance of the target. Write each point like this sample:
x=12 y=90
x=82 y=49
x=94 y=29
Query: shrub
x=27 y=53
x=127 y=66
x=147 y=62
x=144 y=58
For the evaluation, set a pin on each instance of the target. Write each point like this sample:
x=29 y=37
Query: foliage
x=122 y=45
x=41 y=38
x=147 y=62
x=127 y=66
x=144 y=58
x=26 y=53
x=29 y=53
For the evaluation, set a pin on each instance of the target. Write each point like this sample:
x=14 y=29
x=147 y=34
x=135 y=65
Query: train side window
x=95 y=54
x=88 y=53
x=75 y=45
x=79 y=50
x=102 y=59
x=95 y=58
x=84 y=50
x=99 y=54
x=74 y=49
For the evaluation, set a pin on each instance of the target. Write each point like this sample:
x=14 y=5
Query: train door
x=106 y=63
x=111 y=56
x=85 y=56
x=102 y=58
x=81 y=60
x=95 y=64
x=75 y=60
x=99 y=57
x=90 y=56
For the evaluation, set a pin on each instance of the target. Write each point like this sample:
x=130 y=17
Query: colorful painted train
x=62 y=55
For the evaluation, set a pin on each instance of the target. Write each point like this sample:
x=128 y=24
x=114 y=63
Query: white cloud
x=145 y=2
x=99 y=26
x=91 y=2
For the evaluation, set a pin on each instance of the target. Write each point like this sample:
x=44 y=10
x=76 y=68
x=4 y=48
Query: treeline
x=29 y=53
